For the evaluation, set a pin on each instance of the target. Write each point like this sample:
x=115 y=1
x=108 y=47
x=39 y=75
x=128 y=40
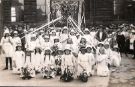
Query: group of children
x=59 y=52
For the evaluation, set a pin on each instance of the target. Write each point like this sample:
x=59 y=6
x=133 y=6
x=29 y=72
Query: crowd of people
x=66 y=52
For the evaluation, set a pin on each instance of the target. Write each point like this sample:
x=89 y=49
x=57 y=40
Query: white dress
x=109 y=53
x=16 y=41
x=75 y=47
x=7 y=46
x=49 y=60
x=93 y=33
x=27 y=60
x=46 y=45
x=115 y=59
x=84 y=61
x=37 y=60
x=19 y=59
x=63 y=39
x=67 y=61
x=88 y=39
x=92 y=61
x=132 y=38
x=102 y=65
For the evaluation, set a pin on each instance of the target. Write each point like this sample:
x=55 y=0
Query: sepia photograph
x=67 y=43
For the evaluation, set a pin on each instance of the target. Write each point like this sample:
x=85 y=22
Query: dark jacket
x=104 y=36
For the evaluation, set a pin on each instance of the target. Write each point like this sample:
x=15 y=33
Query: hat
x=6 y=31
x=88 y=46
x=48 y=48
x=15 y=32
x=100 y=44
x=132 y=25
x=53 y=31
x=115 y=46
x=31 y=29
x=72 y=30
x=86 y=29
x=67 y=47
x=133 y=31
x=106 y=43
x=33 y=35
x=65 y=27
x=83 y=37
x=19 y=44
x=42 y=31
x=25 y=31
x=46 y=36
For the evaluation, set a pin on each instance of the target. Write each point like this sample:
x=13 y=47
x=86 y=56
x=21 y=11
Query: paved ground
x=124 y=76
x=10 y=79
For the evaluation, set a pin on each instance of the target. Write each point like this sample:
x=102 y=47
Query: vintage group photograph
x=67 y=43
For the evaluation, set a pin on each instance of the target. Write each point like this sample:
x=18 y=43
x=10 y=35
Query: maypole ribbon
x=76 y=26
x=44 y=26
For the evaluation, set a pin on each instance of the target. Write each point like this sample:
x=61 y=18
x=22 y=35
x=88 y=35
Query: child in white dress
x=91 y=58
x=48 y=70
x=18 y=59
x=37 y=58
x=83 y=62
x=102 y=63
x=115 y=58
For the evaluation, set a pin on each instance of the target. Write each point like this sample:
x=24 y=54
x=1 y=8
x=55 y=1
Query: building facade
x=96 y=11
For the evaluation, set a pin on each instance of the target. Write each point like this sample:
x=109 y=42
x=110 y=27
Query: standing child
x=108 y=51
x=83 y=62
x=58 y=60
x=92 y=59
x=18 y=59
x=67 y=66
x=37 y=57
x=84 y=69
x=48 y=70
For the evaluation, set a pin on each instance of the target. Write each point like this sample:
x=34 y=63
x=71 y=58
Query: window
x=13 y=14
